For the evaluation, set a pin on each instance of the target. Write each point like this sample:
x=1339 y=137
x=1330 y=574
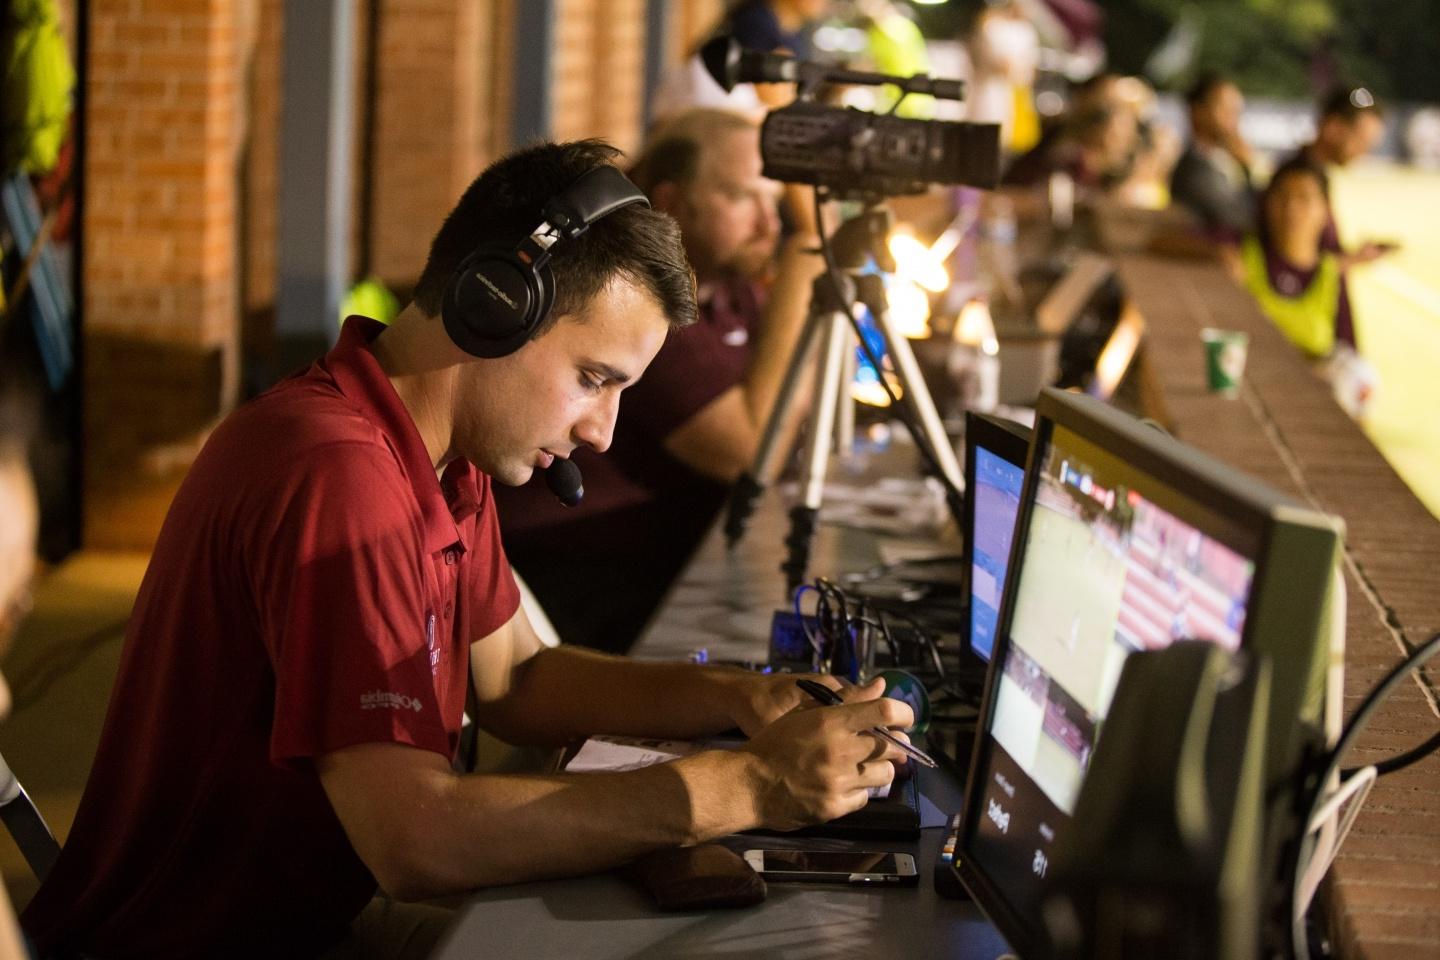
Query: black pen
x=830 y=698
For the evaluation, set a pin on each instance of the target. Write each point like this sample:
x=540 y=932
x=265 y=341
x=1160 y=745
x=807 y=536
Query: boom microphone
x=564 y=480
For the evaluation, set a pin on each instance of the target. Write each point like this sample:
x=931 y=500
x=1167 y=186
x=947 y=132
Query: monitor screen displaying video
x=997 y=486
x=1111 y=561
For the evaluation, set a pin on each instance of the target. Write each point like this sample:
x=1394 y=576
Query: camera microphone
x=564 y=480
x=729 y=64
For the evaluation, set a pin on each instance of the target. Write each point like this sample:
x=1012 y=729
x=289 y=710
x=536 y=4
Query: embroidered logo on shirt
x=430 y=644
x=381 y=699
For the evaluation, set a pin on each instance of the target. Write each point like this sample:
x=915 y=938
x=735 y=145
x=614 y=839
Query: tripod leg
x=817 y=450
x=749 y=485
x=917 y=395
x=845 y=413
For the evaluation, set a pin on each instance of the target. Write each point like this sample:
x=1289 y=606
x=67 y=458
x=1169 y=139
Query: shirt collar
x=357 y=373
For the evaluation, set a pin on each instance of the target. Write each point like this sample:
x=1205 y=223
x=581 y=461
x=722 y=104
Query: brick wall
x=434 y=123
x=598 y=80
x=443 y=93
x=163 y=128
x=183 y=122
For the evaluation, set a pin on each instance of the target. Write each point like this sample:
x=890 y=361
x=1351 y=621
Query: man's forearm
x=564 y=693
x=464 y=832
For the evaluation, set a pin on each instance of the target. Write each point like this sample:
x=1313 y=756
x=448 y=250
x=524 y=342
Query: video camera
x=852 y=153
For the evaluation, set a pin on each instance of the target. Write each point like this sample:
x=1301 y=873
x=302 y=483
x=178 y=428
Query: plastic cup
x=1224 y=359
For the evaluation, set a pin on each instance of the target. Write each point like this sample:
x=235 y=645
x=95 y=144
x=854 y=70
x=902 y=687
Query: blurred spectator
x=1297 y=282
x=1350 y=125
x=1212 y=178
x=1005 y=53
x=896 y=47
x=775 y=25
x=768 y=25
x=19 y=524
x=1095 y=143
x=693 y=422
x=1422 y=138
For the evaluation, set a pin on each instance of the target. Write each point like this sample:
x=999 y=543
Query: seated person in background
x=1105 y=144
x=328 y=586
x=1004 y=51
x=693 y=424
x=1212 y=178
x=1095 y=149
x=1296 y=281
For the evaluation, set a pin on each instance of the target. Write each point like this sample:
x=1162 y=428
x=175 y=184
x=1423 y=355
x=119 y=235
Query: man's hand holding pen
x=816 y=765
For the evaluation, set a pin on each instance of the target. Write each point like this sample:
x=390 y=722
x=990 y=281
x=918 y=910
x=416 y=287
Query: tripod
x=828 y=337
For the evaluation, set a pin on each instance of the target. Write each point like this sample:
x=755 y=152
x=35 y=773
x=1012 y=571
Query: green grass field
x=1397 y=312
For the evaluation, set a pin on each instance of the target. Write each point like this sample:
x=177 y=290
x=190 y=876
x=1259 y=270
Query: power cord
x=1321 y=806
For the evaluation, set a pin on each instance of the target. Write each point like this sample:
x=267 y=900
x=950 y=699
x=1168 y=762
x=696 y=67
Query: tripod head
x=862 y=238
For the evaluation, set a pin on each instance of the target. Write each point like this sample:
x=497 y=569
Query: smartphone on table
x=833 y=866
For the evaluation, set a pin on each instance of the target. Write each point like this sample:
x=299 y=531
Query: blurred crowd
x=1075 y=136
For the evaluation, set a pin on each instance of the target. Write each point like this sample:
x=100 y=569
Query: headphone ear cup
x=491 y=302
x=544 y=298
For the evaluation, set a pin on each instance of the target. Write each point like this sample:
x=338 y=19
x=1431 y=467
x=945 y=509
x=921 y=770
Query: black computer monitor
x=1126 y=540
x=995 y=452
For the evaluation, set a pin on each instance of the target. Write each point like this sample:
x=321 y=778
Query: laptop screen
x=996 y=488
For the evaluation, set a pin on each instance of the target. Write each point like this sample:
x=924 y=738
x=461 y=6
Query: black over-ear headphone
x=499 y=295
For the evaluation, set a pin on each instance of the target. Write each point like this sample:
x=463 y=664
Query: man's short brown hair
x=502 y=206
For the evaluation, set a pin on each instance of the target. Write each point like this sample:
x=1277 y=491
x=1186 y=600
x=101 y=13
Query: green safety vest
x=35 y=87
x=897 y=48
x=1308 y=320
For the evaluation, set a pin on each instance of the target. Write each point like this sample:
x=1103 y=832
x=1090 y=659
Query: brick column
x=435 y=122
x=160 y=297
x=599 y=70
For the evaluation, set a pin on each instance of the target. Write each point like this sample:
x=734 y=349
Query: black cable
x=1402 y=760
x=917 y=433
x=1299 y=941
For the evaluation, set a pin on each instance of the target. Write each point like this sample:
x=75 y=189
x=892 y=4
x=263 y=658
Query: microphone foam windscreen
x=564 y=480
x=721 y=57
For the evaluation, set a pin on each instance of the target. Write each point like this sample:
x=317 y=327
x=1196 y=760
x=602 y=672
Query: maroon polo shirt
x=314 y=586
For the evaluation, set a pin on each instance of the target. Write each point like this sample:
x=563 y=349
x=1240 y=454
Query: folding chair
x=25 y=824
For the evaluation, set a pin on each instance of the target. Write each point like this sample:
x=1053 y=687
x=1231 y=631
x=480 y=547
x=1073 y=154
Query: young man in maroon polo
x=283 y=726
x=693 y=424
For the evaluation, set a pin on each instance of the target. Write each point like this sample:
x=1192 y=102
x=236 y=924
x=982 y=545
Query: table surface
x=722 y=603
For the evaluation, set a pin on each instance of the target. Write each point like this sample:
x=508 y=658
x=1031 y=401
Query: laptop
x=995 y=452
